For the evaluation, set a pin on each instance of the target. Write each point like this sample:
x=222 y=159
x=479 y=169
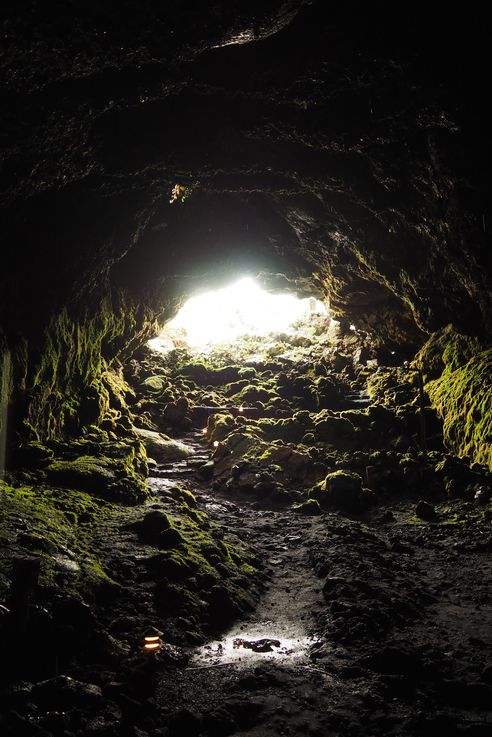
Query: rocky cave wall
x=346 y=148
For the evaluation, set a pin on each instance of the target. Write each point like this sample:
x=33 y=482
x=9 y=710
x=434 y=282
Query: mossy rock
x=154 y=522
x=463 y=400
x=106 y=477
x=332 y=429
x=289 y=429
x=309 y=508
x=235 y=387
x=241 y=443
x=295 y=462
x=341 y=489
x=185 y=496
x=208 y=376
x=447 y=348
x=252 y=393
x=162 y=448
x=382 y=417
x=170 y=539
x=155 y=383
x=220 y=425
x=247 y=373
x=33 y=455
x=86 y=473
x=358 y=418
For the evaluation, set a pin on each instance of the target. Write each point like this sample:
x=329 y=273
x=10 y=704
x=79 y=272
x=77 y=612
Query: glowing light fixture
x=152 y=640
x=216 y=443
x=241 y=309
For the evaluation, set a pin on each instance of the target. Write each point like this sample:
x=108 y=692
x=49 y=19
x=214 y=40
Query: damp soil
x=373 y=625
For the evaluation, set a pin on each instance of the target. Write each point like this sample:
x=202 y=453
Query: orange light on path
x=152 y=641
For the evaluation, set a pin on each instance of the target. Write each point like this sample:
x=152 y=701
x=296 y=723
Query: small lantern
x=241 y=409
x=152 y=640
x=216 y=443
x=204 y=431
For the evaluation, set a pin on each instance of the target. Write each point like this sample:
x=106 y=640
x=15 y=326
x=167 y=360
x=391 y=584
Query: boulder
x=155 y=383
x=333 y=429
x=342 y=489
x=425 y=511
x=85 y=473
x=162 y=448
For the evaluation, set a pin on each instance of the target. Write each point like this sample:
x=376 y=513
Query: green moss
x=155 y=383
x=464 y=513
x=342 y=489
x=200 y=563
x=252 y=393
x=69 y=379
x=106 y=477
x=63 y=521
x=289 y=429
x=333 y=429
x=244 y=443
x=219 y=426
x=462 y=394
x=445 y=349
x=309 y=508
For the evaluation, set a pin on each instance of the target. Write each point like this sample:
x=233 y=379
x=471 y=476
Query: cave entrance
x=246 y=318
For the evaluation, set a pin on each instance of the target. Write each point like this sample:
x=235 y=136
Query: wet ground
x=366 y=626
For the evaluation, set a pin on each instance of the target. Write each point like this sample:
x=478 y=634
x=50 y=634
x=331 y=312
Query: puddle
x=253 y=644
x=160 y=484
x=217 y=507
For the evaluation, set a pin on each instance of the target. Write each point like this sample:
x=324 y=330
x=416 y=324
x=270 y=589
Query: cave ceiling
x=341 y=146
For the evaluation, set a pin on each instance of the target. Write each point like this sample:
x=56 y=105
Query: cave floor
x=376 y=625
x=283 y=608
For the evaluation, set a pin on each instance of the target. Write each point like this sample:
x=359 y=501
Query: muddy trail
x=376 y=625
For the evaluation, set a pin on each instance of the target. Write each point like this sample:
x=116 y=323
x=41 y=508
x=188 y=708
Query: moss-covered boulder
x=295 y=462
x=33 y=455
x=154 y=383
x=162 y=448
x=341 y=489
x=100 y=476
x=462 y=394
x=220 y=425
x=204 y=375
x=331 y=429
x=252 y=393
x=290 y=428
x=309 y=508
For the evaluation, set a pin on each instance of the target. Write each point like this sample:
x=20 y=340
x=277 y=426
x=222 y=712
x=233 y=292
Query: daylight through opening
x=240 y=311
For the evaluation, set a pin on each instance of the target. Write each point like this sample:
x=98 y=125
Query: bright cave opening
x=246 y=318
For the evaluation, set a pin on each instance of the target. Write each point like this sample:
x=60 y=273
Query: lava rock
x=342 y=489
x=65 y=692
x=309 y=508
x=426 y=511
x=162 y=448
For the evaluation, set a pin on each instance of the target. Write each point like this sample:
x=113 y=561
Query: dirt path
x=371 y=627
x=259 y=676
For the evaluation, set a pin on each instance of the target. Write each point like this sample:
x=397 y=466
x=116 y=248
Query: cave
x=278 y=529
